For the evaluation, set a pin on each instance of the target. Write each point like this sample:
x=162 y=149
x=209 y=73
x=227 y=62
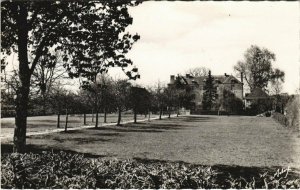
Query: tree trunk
x=66 y=125
x=24 y=75
x=92 y=115
x=169 y=113
x=21 y=119
x=134 y=116
x=160 y=113
x=148 y=115
x=119 y=117
x=58 y=120
x=84 y=119
x=96 y=124
x=105 y=113
x=177 y=111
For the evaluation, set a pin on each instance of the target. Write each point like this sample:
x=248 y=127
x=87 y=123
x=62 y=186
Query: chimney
x=172 y=79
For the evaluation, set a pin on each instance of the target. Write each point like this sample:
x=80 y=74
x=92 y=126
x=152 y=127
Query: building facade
x=223 y=83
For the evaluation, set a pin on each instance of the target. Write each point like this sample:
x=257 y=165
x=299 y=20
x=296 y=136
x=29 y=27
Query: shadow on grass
x=143 y=127
x=124 y=130
x=8 y=148
x=80 y=140
x=197 y=119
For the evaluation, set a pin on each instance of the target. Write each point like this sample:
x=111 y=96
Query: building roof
x=257 y=93
x=218 y=78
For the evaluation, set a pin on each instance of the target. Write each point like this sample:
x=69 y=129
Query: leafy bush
x=69 y=170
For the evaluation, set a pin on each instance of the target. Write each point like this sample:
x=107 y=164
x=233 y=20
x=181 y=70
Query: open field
x=206 y=140
x=42 y=123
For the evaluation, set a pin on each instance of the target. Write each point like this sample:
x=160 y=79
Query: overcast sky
x=176 y=36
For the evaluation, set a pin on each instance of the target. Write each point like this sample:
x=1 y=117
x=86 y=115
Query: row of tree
x=105 y=95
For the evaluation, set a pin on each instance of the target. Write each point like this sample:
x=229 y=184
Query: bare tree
x=198 y=71
x=46 y=74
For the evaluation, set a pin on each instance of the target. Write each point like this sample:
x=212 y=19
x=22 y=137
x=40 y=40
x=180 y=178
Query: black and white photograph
x=114 y=94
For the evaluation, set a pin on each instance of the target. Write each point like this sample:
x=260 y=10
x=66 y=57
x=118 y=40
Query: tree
x=183 y=95
x=85 y=100
x=210 y=93
x=159 y=98
x=257 y=67
x=57 y=101
x=198 y=71
x=46 y=73
x=89 y=34
x=276 y=88
x=106 y=94
x=100 y=92
x=170 y=98
x=121 y=95
x=231 y=103
x=139 y=99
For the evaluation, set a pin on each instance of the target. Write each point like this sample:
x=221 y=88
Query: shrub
x=268 y=114
x=282 y=119
x=69 y=170
x=292 y=112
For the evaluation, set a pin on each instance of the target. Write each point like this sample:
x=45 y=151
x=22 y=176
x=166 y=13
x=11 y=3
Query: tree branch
x=38 y=54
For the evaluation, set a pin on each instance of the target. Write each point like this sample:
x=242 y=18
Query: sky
x=176 y=36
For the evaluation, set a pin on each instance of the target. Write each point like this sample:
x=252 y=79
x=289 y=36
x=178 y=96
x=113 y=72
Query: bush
x=69 y=170
x=292 y=112
x=268 y=114
x=282 y=119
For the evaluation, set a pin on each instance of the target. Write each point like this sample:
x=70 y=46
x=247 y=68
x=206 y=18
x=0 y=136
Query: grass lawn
x=205 y=140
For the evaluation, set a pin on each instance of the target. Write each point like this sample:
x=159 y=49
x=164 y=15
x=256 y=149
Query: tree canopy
x=257 y=67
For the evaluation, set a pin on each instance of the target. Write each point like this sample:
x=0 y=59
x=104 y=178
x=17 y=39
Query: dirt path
x=7 y=133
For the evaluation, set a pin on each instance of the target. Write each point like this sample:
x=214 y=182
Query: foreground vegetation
x=68 y=170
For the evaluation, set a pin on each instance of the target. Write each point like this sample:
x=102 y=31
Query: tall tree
x=89 y=34
x=257 y=67
x=210 y=92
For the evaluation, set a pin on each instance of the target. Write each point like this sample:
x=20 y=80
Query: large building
x=222 y=83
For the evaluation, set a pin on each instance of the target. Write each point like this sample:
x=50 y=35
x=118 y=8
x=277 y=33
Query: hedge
x=70 y=170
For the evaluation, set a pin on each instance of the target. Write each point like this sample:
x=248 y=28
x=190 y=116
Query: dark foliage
x=139 y=100
x=231 y=103
x=210 y=92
